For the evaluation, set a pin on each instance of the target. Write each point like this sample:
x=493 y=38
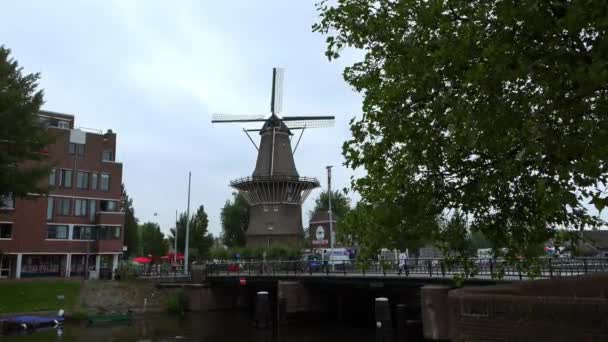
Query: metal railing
x=471 y=268
x=161 y=272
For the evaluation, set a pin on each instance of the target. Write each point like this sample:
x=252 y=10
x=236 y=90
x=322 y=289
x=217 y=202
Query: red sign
x=319 y=242
x=243 y=281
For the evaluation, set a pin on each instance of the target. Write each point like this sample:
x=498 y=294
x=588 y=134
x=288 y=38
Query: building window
x=94 y=177
x=7 y=201
x=269 y=226
x=105 y=182
x=107 y=155
x=108 y=233
x=52 y=177
x=63 y=206
x=49 y=209
x=6 y=230
x=76 y=148
x=92 y=209
x=82 y=180
x=57 y=232
x=275 y=208
x=108 y=206
x=63 y=124
x=65 y=179
x=83 y=233
x=80 y=207
x=265 y=208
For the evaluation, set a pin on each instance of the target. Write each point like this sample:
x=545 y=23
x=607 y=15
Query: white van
x=337 y=256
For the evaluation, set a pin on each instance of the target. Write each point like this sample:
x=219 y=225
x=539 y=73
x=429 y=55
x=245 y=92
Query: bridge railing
x=477 y=268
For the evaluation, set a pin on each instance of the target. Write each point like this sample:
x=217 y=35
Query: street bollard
x=282 y=311
x=262 y=310
x=400 y=320
x=384 y=325
x=413 y=331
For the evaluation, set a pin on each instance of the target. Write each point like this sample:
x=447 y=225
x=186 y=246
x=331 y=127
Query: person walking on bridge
x=403 y=263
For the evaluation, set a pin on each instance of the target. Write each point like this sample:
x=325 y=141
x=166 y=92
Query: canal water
x=209 y=327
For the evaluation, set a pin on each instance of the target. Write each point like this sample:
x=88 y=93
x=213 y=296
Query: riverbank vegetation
x=247 y=253
x=38 y=295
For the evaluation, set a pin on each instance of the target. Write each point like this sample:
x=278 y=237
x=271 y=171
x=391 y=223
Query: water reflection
x=216 y=326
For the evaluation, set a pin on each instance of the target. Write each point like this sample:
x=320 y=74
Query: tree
x=153 y=240
x=22 y=138
x=131 y=230
x=235 y=218
x=340 y=203
x=496 y=109
x=200 y=240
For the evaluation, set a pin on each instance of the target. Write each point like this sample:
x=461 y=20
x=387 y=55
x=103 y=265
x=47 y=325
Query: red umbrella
x=170 y=256
x=143 y=260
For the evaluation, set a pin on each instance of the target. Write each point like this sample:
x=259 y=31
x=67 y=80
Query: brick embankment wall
x=568 y=309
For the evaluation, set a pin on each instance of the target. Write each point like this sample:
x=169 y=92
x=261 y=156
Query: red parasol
x=143 y=260
x=170 y=256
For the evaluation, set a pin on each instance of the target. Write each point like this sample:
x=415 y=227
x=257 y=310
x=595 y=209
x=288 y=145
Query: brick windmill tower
x=275 y=191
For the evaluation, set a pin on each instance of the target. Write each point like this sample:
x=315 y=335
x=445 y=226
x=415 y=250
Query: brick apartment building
x=79 y=224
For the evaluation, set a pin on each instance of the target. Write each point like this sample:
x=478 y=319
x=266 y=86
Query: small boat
x=111 y=318
x=30 y=322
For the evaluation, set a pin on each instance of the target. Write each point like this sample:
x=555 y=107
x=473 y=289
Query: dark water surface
x=209 y=327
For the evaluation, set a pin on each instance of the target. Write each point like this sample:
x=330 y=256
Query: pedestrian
x=403 y=263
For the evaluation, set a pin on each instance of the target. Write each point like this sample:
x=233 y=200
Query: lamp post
x=331 y=228
x=187 y=227
x=175 y=242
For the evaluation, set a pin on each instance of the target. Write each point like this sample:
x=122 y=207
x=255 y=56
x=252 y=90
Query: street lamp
x=331 y=228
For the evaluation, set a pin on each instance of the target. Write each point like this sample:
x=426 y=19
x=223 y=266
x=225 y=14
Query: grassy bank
x=38 y=295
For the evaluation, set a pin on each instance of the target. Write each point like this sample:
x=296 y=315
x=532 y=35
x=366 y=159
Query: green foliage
x=235 y=218
x=153 y=240
x=200 y=239
x=493 y=108
x=126 y=271
x=177 y=302
x=340 y=203
x=219 y=253
x=247 y=253
x=23 y=166
x=131 y=225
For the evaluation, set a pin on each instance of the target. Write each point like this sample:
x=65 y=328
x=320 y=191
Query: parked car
x=312 y=262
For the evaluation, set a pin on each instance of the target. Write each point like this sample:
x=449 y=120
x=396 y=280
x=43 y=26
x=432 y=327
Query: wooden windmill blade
x=296 y=122
x=227 y=118
x=276 y=98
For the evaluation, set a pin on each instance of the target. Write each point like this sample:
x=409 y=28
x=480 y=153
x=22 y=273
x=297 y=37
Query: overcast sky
x=154 y=72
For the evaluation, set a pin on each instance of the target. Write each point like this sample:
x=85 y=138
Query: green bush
x=177 y=302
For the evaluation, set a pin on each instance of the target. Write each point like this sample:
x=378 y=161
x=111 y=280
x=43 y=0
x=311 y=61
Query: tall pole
x=331 y=224
x=187 y=227
x=175 y=242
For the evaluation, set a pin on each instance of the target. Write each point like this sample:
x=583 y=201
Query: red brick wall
x=29 y=216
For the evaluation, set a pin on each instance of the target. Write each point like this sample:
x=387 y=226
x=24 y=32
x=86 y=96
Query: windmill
x=275 y=191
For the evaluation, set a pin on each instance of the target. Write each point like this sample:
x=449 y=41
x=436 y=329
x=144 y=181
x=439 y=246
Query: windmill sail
x=276 y=101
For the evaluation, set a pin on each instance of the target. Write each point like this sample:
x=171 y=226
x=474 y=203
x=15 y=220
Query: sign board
x=320 y=233
x=319 y=242
x=242 y=281
x=78 y=137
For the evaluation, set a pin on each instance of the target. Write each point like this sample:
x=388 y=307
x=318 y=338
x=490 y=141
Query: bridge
x=427 y=269
x=348 y=292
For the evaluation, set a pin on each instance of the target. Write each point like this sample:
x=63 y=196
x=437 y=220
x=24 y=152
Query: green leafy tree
x=200 y=240
x=153 y=240
x=131 y=225
x=23 y=165
x=493 y=108
x=340 y=203
x=235 y=218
